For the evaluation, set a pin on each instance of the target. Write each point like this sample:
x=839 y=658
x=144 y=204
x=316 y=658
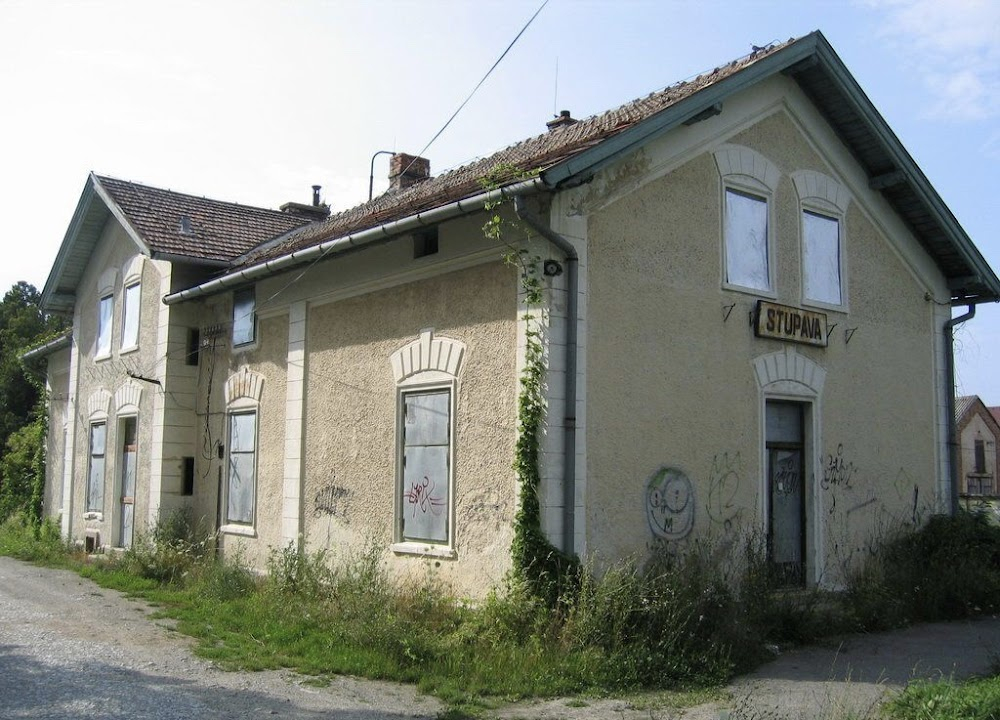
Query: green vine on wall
x=547 y=571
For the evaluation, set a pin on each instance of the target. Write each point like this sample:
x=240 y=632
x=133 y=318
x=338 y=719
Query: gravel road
x=70 y=649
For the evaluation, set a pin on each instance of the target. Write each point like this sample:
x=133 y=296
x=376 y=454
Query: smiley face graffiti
x=670 y=504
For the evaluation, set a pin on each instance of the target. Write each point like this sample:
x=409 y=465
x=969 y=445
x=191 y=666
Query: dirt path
x=71 y=649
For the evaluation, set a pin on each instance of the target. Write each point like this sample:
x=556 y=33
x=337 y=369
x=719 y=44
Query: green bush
x=946 y=570
x=173 y=548
x=24 y=539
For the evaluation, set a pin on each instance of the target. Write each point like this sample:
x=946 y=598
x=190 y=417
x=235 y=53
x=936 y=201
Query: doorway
x=129 y=448
x=786 y=492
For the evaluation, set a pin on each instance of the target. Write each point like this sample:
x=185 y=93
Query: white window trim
x=822 y=195
x=91 y=513
x=242 y=406
x=100 y=354
x=746 y=171
x=129 y=284
x=425 y=365
x=250 y=344
x=746 y=186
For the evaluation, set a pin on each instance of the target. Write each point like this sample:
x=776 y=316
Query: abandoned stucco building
x=748 y=291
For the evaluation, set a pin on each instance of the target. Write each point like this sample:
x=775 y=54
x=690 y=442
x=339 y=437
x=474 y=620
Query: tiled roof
x=995 y=412
x=962 y=405
x=533 y=154
x=213 y=230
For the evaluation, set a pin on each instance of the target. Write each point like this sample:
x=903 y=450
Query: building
x=745 y=289
x=978 y=433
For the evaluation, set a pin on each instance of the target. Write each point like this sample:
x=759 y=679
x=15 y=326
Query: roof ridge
x=200 y=198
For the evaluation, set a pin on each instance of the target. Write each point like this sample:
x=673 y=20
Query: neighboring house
x=746 y=317
x=978 y=433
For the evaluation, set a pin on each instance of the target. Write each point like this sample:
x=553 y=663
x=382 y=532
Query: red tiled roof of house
x=531 y=155
x=186 y=225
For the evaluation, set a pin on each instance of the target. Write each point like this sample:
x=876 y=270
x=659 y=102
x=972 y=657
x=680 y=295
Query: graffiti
x=723 y=484
x=837 y=471
x=421 y=496
x=787 y=478
x=332 y=501
x=670 y=504
x=861 y=505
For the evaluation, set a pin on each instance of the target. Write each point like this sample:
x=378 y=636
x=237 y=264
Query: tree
x=22 y=325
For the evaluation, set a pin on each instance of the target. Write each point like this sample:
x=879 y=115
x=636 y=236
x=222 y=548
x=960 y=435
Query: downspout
x=949 y=338
x=569 y=411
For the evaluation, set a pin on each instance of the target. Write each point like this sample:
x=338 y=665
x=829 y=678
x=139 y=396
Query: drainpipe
x=569 y=413
x=949 y=338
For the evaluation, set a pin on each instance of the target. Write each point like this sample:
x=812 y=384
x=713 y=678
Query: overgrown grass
x=947 y=700
x=948 y=569
x=681 y=621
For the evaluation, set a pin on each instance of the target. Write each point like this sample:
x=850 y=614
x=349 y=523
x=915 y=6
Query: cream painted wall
x=350 y=420
x=105 y=378
x=669 y=358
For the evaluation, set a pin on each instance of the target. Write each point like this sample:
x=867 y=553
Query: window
x=130 y=317
x=980 y=450
x=241 y=487
x=244 y=317
x=187 y=477
x=746 y=236
x=426 y=477
x=821 y=258
x=95 y=476
x=105 y=309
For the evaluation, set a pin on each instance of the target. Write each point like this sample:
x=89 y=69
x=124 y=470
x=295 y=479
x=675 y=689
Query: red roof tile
x=177 y=224
x=531 y=155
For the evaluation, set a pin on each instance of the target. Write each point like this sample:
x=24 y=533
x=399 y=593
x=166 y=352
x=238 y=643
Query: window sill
x=244 y=530
x=93 y=515
x=244 y=347
x=824 y=307
x=128 y=350
x=102 y=356
x=416 y=548
x=756 y=292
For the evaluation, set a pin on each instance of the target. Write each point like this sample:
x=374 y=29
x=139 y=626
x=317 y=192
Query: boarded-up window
x=130 y=317
x=95 y=476
x=747 y=262
x=980 y=448
x=104 y=312
x=426 y=449
x=241 y=488
x=821 y=258
x=244 y=317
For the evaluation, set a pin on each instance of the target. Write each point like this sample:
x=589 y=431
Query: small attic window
x=425 y=243
x=184 y=226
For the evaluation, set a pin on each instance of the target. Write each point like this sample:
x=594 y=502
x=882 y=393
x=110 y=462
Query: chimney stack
x=562 y=120
x=316 y=211
x=406 y=170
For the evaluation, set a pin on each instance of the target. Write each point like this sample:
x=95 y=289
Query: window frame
x=826 y=211
x=412 y=545
x=252 y=340
x=124 y=344
x=105 y=321
x=748 y=188
x=89 y=507
x=240 y=527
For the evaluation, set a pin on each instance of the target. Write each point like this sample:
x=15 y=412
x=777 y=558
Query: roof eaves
x=51 y=300
x=960 y=240
x=120 y=215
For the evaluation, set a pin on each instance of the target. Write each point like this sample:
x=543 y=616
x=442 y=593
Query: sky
x=254 y=102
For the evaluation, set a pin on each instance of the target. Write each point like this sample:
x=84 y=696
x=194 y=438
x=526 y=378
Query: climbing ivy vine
x=547 y=571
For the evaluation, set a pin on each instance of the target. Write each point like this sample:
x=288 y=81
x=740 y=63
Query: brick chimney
x=406 y=170
x=562 y=120
x=316 y=211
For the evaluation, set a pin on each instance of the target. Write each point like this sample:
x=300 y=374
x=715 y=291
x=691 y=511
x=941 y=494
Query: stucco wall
x=57 y=387
x=350 y=427
x=670 y=365
x=104 y=380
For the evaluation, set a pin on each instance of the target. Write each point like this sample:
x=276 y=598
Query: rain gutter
x=331 y=248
